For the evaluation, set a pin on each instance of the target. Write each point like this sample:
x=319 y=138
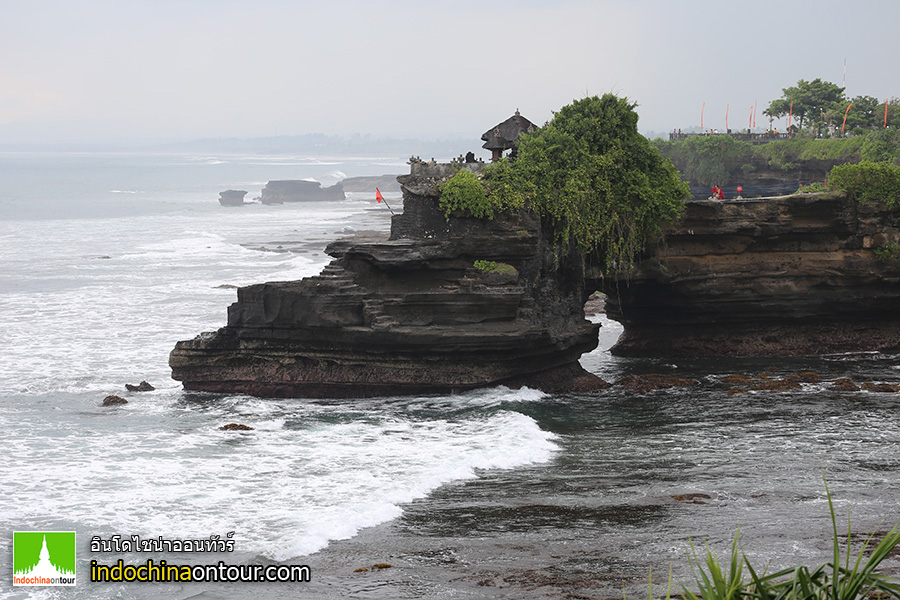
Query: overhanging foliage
x=602 y=186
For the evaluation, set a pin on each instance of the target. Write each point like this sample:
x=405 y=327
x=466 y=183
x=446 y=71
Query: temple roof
x=504 y=135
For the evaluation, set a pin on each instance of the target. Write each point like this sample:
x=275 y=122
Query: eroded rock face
x=776 y=277
x=408 y=314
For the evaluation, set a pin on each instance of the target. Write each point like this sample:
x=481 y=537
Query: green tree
x=777 y=108
x=601 y=185
x=866 y=113
x=814 y=100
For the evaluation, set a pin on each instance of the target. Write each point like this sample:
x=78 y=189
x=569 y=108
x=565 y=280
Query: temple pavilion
x=503 y=136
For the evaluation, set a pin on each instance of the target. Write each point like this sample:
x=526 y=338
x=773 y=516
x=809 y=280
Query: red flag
x=378 y=195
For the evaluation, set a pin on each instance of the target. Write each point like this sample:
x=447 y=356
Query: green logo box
x=44 y=558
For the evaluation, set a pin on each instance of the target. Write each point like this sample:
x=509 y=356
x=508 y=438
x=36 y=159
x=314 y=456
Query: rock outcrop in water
x=772 y=277
x=232 y=197
x=408 y=314
x=289 y=190
x=800 y=275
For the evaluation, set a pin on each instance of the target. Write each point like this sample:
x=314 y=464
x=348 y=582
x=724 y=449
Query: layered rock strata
x=799 y=275
x=407 y=314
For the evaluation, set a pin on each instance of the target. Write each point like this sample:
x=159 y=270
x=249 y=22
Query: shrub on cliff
x=463 y=193
x=466 y=194
x=868 y=181
x=603 y=187
x=882 y=145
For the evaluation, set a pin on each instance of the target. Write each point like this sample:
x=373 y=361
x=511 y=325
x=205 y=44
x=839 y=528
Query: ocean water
x=109 y=259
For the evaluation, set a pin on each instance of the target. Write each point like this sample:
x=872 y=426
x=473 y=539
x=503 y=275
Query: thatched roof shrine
x=504 y=135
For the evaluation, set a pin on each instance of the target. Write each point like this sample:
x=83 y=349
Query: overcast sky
x=143 y=70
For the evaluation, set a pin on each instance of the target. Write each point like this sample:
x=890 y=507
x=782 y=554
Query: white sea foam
x=286 y=490
x=89 y=304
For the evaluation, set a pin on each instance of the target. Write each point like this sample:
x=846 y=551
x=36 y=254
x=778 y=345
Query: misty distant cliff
x=385 y=183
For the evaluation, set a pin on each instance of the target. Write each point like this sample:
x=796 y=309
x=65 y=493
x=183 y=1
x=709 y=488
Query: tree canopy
x=818 y=103
x=601 y=185
x=815 y=99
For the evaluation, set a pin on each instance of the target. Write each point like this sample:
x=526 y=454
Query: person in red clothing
x=717 y=192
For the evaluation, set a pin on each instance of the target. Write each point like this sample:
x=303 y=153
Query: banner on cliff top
x=846 y=112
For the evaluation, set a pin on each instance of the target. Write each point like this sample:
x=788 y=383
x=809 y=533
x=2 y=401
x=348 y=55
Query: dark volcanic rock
x=407 y=315
x=651 y=382
x=785 y=276
x=279 y=192
x=142 y=387
x=236 y=427
x=113 y=400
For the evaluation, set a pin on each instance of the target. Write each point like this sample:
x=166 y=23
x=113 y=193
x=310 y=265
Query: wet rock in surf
x=691 y=498
x=143 y=386
x=236 y=427
x=844 y=385
x=113 y=400
x=642 y=384
x=884 y=388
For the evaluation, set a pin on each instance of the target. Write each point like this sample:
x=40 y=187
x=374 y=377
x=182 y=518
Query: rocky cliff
x=453 y=304
x=790 y=276
x=408 y=314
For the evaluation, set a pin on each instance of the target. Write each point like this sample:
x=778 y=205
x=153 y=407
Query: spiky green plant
x=715 y=582
x=841 y=579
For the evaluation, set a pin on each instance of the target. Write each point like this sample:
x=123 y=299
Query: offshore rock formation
x=787 y=276
x=289 y=190
x=232 y=197
x=408 y=314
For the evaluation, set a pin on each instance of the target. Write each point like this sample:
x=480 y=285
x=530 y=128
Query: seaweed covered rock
x=113 y=400
x=143 y=386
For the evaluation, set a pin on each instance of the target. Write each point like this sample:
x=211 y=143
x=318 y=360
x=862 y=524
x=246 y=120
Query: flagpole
x=380 y=198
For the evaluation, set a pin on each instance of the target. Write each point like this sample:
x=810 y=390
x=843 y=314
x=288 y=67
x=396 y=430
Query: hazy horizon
x=161 y=71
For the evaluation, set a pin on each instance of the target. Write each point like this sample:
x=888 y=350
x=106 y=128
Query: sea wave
x=300 y=479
